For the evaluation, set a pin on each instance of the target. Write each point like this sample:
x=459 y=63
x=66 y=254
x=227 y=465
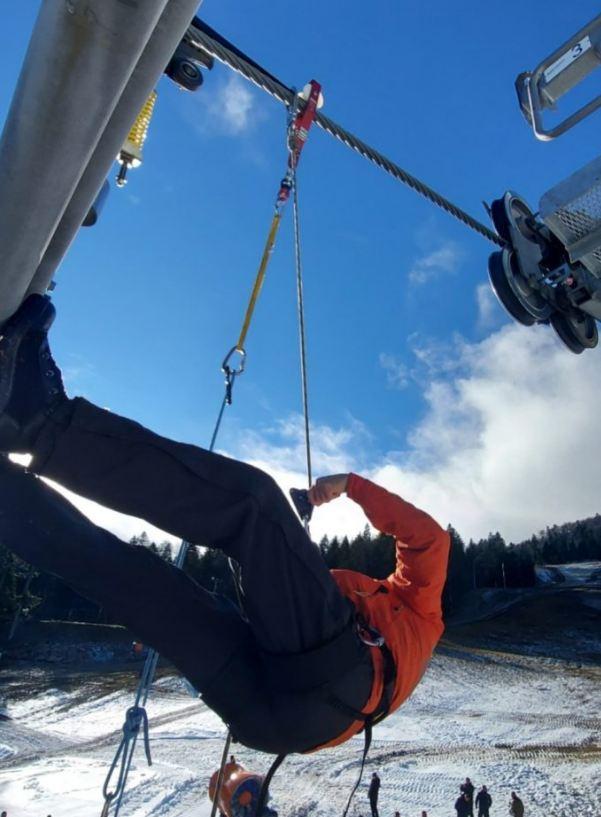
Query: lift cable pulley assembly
x=550 y=269
x=535 y=278
x=536 y=275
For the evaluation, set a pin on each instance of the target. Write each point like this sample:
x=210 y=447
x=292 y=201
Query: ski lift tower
x=89 y=68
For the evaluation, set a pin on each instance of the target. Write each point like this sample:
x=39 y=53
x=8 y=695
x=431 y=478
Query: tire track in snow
x=46 y=745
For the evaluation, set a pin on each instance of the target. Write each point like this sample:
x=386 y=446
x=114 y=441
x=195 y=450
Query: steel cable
x=277 y=89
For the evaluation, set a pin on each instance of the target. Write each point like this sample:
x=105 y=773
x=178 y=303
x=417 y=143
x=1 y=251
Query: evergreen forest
x=488 y=563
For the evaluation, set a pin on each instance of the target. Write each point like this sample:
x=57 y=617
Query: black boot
x=31 y=386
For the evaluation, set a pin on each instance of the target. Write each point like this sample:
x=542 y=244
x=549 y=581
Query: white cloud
x=229 y=108
x=489 y=311
x=444 y=260
x=397 y=374
x=283 y=445
x=280 y=451
x=509 y=441
x=118 y=523
x=237 y=104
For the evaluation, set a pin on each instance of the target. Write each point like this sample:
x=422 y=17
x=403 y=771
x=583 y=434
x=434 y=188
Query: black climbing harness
x=383 y=707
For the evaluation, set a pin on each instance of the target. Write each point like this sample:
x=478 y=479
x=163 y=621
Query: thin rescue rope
x=301 y=330
x=136 y=718
x=366 y=745
x=267 y=82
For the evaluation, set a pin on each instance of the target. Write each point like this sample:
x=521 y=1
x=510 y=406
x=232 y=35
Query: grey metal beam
x=173 y=23
x=80 y=58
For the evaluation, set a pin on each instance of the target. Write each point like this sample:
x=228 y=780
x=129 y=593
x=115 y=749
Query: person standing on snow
x=462 y=805
x=373 y=793
x=318 y=655
x=516 y=807
x=468 y=789
x=483 y=802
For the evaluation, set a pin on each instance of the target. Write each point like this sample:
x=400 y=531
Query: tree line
x=487 y=563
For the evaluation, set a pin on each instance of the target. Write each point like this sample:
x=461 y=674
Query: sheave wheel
x=578 y=331
x=511 y=211
x=503 y=286
x=499 y=219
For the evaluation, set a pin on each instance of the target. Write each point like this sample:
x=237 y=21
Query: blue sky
x=416 y=377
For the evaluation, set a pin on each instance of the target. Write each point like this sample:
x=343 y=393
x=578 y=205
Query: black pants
x=249 y=673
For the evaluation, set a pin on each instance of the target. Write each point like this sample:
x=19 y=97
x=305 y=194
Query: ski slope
x=512 y=722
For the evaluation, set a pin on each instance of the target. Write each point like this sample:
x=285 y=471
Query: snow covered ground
x=571 y=574
x=512 y=722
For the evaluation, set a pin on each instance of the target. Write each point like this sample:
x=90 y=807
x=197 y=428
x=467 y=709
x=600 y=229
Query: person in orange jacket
x=317 y=655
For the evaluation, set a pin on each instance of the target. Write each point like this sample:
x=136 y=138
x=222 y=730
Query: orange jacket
x=405 y=608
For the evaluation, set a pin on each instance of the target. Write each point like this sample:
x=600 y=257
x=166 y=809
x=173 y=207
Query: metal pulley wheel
x=511 y=214
x=577 y=330
x=523 y=303
x=185 y=73
x=518 y=264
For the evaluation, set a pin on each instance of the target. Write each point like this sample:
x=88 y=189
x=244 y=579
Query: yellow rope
x=269 y=244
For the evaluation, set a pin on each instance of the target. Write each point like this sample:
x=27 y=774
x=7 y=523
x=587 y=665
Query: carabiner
x=225 y=367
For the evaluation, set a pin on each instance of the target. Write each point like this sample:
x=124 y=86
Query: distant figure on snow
x=424 y=814
x=468 y=789
x=317 y=654
x=516 y=807
x=483 y=802
x=462 y=805
x=373 y=792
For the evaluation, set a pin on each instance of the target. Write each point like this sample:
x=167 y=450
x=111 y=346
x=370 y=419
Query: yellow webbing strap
x=269 y=244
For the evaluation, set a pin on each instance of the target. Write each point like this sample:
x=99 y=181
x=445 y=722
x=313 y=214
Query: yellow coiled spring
x=131 y=152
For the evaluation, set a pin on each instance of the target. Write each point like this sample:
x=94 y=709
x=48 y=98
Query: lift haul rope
x=204 y=37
